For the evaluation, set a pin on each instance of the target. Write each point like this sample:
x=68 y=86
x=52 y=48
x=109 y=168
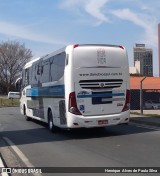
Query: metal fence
x=150 y=100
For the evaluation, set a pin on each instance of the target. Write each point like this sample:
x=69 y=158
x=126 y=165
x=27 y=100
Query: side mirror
x=18 y=84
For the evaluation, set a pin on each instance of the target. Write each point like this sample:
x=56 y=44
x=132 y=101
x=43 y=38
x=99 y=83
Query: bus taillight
x=121 y=47
x=73 y=104
x=127 y=102
x=75 y=46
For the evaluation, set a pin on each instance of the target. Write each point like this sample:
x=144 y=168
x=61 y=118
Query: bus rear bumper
x=79 y=121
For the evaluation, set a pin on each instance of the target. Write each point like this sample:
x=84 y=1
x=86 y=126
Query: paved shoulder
x=145 y=119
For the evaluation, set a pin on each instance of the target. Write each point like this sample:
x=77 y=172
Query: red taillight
x=121 y=47
x=72 y=107
x=75 y=46
x=127 y=103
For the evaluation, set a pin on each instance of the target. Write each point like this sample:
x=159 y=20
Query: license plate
x=102 y=122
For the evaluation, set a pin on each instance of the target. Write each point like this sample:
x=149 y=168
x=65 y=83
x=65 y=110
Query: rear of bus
x=96 y=86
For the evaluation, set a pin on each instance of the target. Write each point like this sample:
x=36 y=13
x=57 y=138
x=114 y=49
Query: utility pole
x=141 y=95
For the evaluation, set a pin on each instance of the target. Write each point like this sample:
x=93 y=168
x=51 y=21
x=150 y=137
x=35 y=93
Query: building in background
x=136 y=69
x=145 y=57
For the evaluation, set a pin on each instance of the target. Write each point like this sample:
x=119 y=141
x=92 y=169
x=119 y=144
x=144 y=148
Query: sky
x=47 y=25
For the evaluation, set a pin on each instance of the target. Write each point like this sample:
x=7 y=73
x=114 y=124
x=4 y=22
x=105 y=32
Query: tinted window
x=57 y=65
x=44 y=71
x=26 y=77
x=36 y=73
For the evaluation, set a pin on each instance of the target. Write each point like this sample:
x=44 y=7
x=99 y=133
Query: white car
x=152 y=104
x=14 y=95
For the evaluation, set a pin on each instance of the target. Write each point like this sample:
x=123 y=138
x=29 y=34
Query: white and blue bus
x=78 y=86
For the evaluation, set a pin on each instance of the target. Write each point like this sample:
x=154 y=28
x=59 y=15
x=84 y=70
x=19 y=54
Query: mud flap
x=62 y=112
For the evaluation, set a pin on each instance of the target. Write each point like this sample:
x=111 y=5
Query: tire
x=51 y=125
x=25 y=116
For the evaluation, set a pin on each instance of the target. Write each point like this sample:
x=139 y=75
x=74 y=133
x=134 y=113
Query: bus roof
x=28 y=64
x=53 y=53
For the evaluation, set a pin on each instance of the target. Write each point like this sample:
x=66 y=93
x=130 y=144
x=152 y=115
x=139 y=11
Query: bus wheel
x=51 y=125
x=27 y=118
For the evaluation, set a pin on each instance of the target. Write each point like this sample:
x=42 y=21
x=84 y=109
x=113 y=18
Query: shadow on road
x=42 y=134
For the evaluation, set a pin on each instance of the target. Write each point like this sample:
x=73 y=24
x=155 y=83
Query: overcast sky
x=47 y=25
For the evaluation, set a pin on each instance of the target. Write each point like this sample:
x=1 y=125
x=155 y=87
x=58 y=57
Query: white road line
x=2 y=166
x=20 y=154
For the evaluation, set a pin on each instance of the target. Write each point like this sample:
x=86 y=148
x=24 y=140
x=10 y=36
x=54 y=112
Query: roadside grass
x=5 y=102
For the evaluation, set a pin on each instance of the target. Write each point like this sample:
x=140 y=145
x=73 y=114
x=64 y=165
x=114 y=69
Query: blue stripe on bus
x=101 y=95
x=32 y=92
x=50 y=91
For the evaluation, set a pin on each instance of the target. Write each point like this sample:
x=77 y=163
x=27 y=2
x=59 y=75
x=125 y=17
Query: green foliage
x=5 y=102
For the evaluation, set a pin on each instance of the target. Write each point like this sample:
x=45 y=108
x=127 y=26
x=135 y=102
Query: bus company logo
x=101 y=85
x=101 y=56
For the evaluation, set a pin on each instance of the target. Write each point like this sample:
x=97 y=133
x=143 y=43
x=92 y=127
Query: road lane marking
x=20 y=154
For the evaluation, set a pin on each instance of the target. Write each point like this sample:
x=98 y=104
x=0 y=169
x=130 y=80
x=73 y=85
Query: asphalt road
x=117 y=146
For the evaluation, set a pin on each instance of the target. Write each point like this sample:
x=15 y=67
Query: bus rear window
x=96 y=56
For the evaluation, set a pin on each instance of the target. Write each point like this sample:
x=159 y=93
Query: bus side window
x=30 y=75
x=36 y=73
x=67 y=57
x=45 y=69
x=60 y=62
x=57 y=64
x=23 y=78
x=26 y=77
x=54 y=69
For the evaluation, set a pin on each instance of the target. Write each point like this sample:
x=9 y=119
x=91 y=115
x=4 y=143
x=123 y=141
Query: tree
x=13 y=56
